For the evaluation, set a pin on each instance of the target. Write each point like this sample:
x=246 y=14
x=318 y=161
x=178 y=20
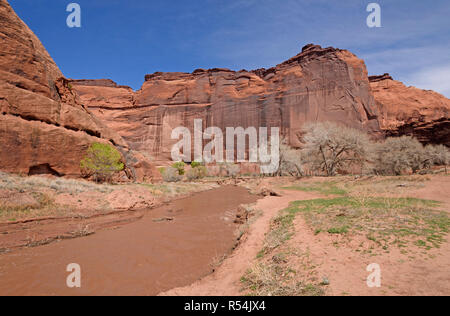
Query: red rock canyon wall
x=319 y=84
x=44 y=127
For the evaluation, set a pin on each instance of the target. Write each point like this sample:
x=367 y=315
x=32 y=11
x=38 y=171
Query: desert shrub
x=171 y=174
x=233 y=170
x=191 y=174
x=438 y=155
x=196 y=173
x=196 y=164
x=202 y=171
x=329 y=147
x=396 y=155
x=102 y=161
x=180 y=167
x=230 y=169
x=291 y=161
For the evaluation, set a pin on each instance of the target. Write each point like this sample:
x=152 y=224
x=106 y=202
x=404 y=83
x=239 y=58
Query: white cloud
x=435 y=78
x=426 y=67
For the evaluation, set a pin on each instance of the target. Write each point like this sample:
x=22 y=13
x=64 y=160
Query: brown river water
x=142 y=258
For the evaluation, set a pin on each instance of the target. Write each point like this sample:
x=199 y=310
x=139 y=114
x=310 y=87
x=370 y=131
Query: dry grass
x=385 y=186
x=274 y=279
x=388 y=192
x=354 y=186
x=60 y=185
x=180 y=188
x=253 y=215
x=38 y=196
x=281 y=270
x=385 y=221
x=34 y=197
x=217 y=261
x=42 y=206
x=325 y=188
x=376 y=207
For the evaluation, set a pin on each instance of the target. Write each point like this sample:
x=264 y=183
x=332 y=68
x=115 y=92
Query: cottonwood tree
x=396 y=155
x=101 y=161
x=330 y=147
x=438 y=155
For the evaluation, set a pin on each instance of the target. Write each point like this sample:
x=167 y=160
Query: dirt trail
x=226 y=280
x=171 y=246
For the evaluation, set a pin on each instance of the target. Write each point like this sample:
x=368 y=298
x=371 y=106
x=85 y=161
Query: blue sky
x=125 y=39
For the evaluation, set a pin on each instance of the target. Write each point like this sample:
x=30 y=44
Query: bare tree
x=230 y=169
x=397 y=154
x=438 y=155
x=291 y=162
x=330 y=147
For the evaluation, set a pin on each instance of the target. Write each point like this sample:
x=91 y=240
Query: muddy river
x=142 y=258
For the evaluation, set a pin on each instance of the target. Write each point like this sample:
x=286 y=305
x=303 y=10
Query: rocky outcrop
x=385 y=76
x=319 y=84
x=44 y=127
x=411 y=111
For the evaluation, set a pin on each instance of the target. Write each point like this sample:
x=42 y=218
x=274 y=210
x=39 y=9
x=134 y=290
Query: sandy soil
x=418 y=272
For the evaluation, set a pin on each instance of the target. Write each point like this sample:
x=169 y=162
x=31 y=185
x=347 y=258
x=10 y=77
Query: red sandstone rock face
x=411 y=111
x=44 y=126
x=319 y=84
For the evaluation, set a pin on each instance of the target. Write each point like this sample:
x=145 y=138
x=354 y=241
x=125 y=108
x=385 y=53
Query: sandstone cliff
x=44 y=128
x=411 y=111
x=47 y=121
x=319 y=84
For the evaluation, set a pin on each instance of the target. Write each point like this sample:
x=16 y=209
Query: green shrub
x=102 y=161
x=180 y=167
x=196 y=164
